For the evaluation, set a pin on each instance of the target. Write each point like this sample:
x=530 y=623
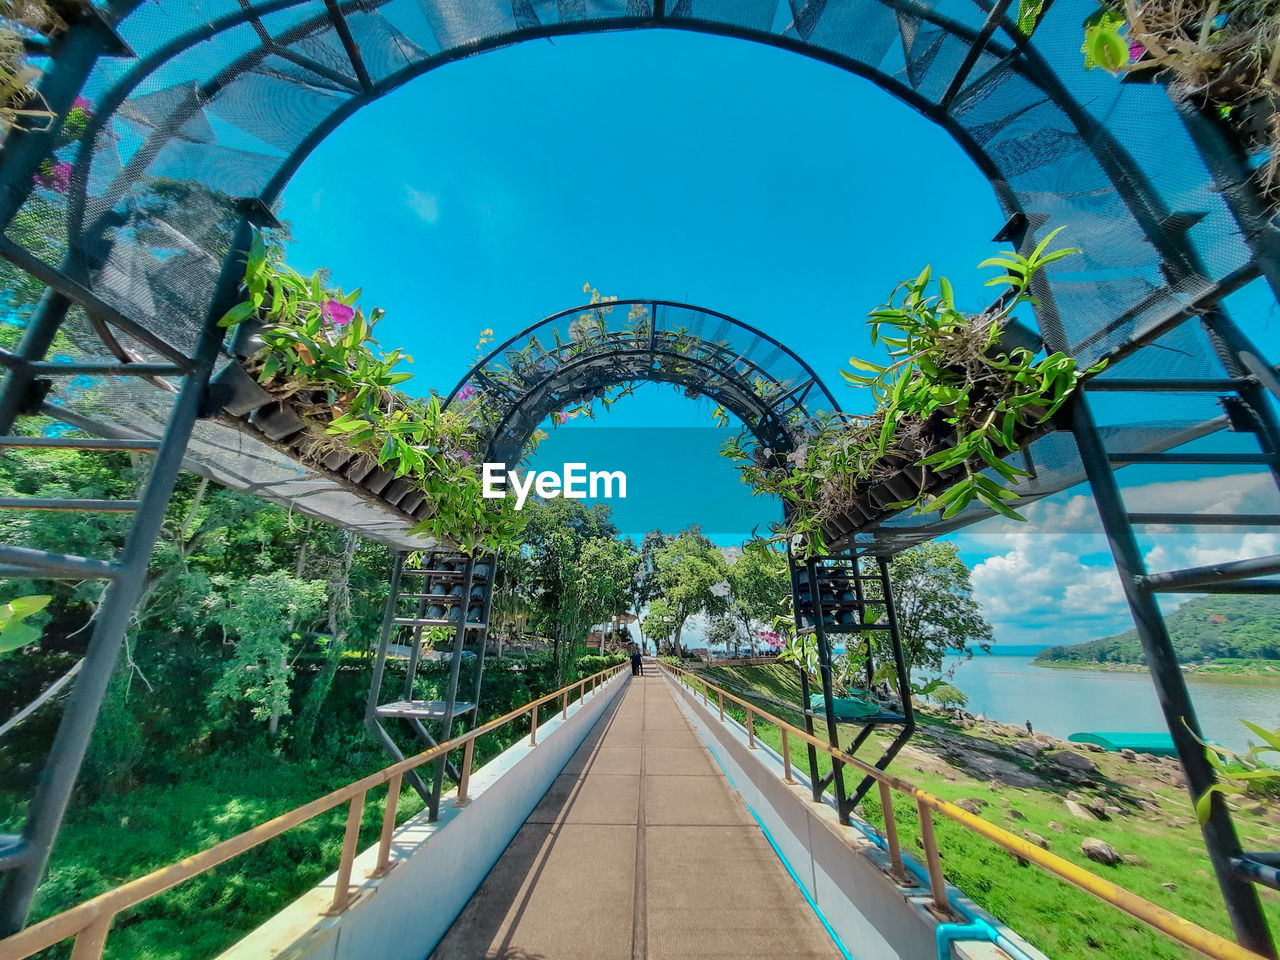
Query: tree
x=689 y=570
x=605 y=572
x=578 y=572
x=937 y=614
x=723 y=632
x=264 y=613
x=759 y=585
x=645 y=587
x=659 y=623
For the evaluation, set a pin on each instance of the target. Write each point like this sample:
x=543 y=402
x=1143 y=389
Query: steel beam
x=75 y=730
x=1221 y=842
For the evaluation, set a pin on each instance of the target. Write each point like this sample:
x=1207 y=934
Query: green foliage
x=951 y=404
x=572 y=571
x=15 y=632
x=949 y=695
x=759 y=588
x=1203 y=628
x=937 y=613
x=723 y=632
x=1103 y=45
x=1240 y=774
x=670 y=660
x=263 y=613
x=592 y=663
x=659 y=621
x=321 y=357
x=690 y=570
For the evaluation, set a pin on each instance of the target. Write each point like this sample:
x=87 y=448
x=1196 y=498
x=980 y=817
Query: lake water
x=1063 y=702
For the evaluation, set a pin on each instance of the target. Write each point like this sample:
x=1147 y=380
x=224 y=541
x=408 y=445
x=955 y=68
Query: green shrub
x=593 y=663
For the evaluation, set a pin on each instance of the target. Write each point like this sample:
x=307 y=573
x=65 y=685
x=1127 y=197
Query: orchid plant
x=320 y=356
x=952 y=404
x=1222 y=55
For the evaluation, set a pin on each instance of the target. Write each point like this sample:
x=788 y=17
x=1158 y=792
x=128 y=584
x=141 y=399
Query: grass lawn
x=1067 y=924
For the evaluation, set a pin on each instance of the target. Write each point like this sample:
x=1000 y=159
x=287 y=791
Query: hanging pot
x=338 y=459
x=247 y=339
x=397 y=490
x=277 y=421
x=377 y=481
x=232 y=389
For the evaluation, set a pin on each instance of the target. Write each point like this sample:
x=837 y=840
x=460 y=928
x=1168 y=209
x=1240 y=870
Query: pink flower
x=466 y=393
x=337 y=313
x=1136 y=51
x=83 y=104
x=464 y=456
x=559 y=418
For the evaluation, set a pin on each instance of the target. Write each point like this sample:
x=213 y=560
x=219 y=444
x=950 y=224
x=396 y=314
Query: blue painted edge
x=795 y=878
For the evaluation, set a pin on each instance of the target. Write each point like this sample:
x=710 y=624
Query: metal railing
x=1166 y=921
x=91 y=921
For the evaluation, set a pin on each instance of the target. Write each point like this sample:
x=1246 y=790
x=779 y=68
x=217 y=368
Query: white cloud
x=424 y=204
x=1052 y=580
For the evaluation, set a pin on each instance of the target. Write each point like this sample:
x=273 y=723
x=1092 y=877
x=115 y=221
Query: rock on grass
x=1100 y=851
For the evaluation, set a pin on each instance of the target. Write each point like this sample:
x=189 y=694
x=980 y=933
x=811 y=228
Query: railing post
x=751 y=729
x=786 y=757
x=383 y=866
x=564 y=703
x=350 y=840
x=937 y=883
x=720 y=700
x=896 y=869
x=464 y=775
x=533 y=727
x=91 y=941
x=705 y=700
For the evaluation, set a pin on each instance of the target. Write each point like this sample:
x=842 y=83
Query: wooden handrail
x=1166 y=921
x=89 y=921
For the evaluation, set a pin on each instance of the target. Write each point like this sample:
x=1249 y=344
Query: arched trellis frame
x=1165 y=240
x=577 y=355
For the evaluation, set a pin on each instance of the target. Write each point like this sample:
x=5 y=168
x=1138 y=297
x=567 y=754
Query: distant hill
x=1205 y=628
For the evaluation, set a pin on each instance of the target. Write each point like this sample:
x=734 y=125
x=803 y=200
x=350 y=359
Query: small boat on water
x=1157 y=744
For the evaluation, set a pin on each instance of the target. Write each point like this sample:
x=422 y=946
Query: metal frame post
x=451 y=696
x=62 y=766
x=1221 y=842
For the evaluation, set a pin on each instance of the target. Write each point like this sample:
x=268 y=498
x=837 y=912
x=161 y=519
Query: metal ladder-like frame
x=28 y=380
x=830 y=596
x=1247 y=395
x=452 y=590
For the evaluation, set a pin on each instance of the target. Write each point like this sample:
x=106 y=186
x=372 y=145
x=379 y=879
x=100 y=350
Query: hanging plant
x=319 y=357
x=951 y=404
x=1222 y=55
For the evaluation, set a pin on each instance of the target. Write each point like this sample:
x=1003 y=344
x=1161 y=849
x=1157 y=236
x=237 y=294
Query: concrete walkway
x=639 y=851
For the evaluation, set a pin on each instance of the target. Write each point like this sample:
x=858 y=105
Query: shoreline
x=1198 y=674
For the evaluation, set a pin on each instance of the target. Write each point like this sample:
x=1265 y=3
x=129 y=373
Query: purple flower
x=337 y=313
x=1136 y=51
x=82 y=103
x=466 y=393
x=464 y=456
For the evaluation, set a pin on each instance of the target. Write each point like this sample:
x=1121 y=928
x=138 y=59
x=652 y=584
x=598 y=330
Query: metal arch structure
x=578 y=354
x=201 y=113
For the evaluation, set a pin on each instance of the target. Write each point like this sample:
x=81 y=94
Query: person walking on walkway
x=637 y=662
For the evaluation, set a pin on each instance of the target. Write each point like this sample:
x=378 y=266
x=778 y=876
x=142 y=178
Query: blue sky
x=668 y=165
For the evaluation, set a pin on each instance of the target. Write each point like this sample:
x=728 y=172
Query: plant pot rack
x=849 y=595
x=448 y=590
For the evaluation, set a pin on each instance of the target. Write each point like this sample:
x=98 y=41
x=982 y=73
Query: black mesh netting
x=225 y=98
